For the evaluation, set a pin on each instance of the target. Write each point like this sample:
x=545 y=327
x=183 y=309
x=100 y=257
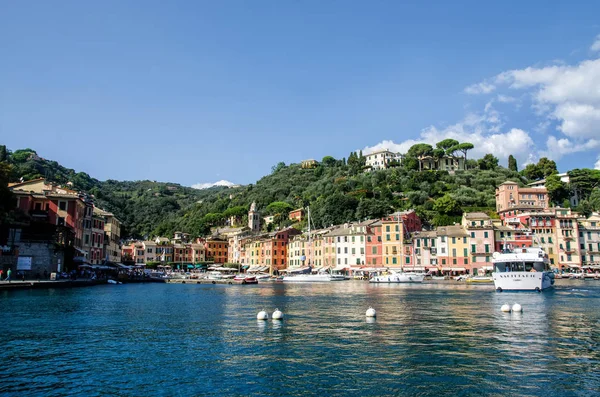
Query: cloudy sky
x=201 y=91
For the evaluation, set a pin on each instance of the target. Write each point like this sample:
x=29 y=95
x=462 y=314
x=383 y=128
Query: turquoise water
x=204 y=340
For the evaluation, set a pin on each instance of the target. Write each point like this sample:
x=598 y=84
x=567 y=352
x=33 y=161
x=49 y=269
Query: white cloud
x=506 y=98
x=480 y=88
x=556 y=148
x=568 y=94
x=597 y=165
x=208 y=184
x=480 y=129
x=596 y=45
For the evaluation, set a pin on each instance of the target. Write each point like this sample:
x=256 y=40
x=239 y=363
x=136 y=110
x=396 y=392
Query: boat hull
x=398 y=278
x=522 y=281
x=311 y=278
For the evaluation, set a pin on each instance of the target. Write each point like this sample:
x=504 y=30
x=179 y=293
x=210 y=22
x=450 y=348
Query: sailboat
x=309 y=277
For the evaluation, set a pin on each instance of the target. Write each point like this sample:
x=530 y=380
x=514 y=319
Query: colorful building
x=480 y=228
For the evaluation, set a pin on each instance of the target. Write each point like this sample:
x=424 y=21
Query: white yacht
x=312 y=278
x=522 y=269
x=398 y=277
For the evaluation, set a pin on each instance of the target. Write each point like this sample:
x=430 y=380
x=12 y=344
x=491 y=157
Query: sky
x=194 y=92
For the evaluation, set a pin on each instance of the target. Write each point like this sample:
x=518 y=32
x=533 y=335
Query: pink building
x=480 y=228
x=512 y=199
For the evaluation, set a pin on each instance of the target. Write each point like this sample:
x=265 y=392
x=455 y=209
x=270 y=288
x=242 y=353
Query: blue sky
x=200 y=91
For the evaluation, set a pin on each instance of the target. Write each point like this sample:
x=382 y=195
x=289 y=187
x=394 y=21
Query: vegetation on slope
x=337 y=191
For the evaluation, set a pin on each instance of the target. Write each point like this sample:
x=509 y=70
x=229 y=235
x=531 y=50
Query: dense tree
x=547 y=167
x=532 y=172
x=488 y=162
x=7 y=200
x=3 y=153
x=446 y=205
x=512 y=163
x=583 y=181
x=278 y=207
x=557 y=189
x=328 y=161
x=462 y=147
x=447 y=144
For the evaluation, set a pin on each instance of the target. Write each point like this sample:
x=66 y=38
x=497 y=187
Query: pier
x=205 y=281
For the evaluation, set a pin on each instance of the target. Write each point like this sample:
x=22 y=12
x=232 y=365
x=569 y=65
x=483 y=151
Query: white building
x=350 y=245
x=380 y=160
x=564 y=177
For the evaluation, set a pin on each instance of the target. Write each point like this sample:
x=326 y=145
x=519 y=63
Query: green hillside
x=337 y=191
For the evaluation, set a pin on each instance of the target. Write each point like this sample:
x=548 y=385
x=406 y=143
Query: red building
x=49 y=203
x=374 y=247
x=296 y=215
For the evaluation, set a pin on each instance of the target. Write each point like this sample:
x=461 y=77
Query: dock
x=46 y=284
x=205 y=281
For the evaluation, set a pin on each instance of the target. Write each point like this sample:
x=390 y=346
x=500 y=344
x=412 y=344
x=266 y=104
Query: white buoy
x=262 y=315
x=517 y=308
x=505 y=308
x=371 y=312
x=277 y=315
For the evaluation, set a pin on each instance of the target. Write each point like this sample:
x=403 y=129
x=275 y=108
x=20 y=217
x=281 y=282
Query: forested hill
x=140 y=205
x=337 y=191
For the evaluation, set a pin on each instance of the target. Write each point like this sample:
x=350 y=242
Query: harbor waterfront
x=182 y=339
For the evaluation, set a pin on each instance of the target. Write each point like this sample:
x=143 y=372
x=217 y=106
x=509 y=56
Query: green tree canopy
x=512 y=163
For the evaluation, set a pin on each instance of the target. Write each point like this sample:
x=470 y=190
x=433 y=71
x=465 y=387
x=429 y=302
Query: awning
x=487 y=268
x=245 y=267
x=573 y=266
x=79 y=259
x=416 y=268
x=341 y=267
x=453 y=269
x=81 y=251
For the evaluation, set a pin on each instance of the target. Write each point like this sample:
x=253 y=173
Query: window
x=149 y=250
x=62 y=205
x=472 y=234
x=397 y=237
x=387 y=228
x=374 y=251
x=394 y=260
x=353 y=251
x=473 y=249
x=485 y=234
x=453 y=240
x=345 y=250
x=453 y=251
x=465 y=253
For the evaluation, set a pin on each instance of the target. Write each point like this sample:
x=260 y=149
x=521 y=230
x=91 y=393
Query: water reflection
x=429 y=339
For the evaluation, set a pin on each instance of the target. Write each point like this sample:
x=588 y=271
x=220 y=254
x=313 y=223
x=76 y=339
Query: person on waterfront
x=1 y=272
x=8 y=275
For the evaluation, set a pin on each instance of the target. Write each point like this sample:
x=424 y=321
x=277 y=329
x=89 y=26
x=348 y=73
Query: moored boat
x=480 y=279
x=246 y=279
x=522 y=269
x=312 y=278
x=398 y=277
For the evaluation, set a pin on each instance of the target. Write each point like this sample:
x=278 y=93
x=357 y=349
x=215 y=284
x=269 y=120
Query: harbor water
x=204 y=340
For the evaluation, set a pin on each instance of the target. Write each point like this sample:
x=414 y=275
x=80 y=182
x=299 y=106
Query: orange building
x=296 y=215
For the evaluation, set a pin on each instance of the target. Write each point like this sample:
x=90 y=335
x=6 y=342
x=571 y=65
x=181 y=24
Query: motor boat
x=398 y=277
x=246 y=279
x=522 y=269
x=480 y=280
x=312 y=278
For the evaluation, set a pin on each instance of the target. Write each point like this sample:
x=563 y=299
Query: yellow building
x=392 y=236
